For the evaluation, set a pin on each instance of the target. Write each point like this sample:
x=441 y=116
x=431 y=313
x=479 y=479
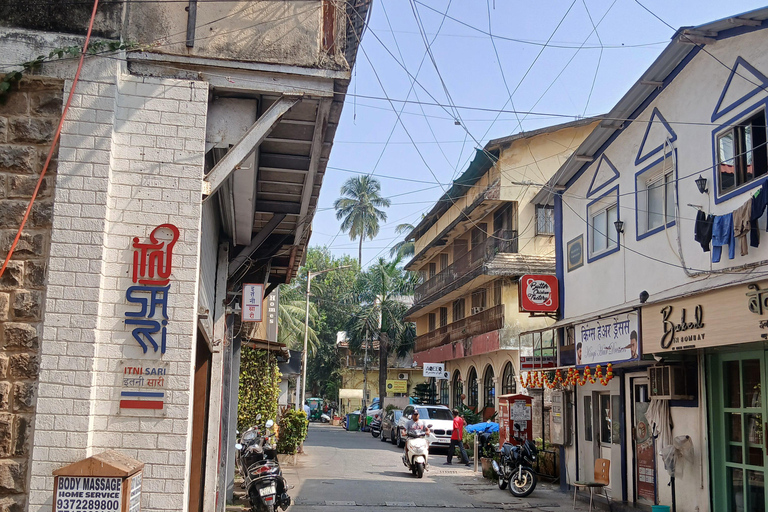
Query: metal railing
x=485 y=321
x=469 y=263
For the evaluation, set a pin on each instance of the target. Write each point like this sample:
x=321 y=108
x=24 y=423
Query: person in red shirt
x=456 y=438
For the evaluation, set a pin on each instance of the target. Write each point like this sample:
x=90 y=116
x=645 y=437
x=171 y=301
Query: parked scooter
x=515 y=468
x=258 y=463
x=416 y=454
x=376 y=426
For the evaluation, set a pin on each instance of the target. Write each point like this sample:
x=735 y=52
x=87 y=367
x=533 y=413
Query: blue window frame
x=602 y=238
x=656 y=196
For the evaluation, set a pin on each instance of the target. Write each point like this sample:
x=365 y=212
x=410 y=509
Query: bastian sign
x=727 y=316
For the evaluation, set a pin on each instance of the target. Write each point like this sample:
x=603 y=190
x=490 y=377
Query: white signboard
x=253 y=297
x=607 y=340
x=134 y=501
x=88 y=494
x=436 y=370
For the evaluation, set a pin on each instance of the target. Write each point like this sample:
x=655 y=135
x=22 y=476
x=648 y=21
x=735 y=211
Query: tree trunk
x=360 y=254
x=383 y=352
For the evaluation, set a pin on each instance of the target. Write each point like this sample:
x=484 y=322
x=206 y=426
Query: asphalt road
x=351 y=471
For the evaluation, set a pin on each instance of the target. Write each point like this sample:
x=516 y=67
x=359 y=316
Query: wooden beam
x=256 y=242
x=278 y=207
x=247 y=144
x=323 y=111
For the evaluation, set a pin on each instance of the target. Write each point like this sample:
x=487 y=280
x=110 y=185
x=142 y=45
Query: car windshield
x=398 y=415
x=435 y=413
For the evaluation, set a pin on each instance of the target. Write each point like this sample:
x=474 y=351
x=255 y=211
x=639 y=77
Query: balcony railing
x=487 y=320
x=468 y=266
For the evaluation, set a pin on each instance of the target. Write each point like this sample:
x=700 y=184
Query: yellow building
x=472 y=248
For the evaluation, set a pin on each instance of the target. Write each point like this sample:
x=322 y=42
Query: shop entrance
x=642 y=444
x=738 y=444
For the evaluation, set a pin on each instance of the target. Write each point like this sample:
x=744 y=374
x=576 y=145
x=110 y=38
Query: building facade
x=471 y=249
x=648 y=287
x=189 y=163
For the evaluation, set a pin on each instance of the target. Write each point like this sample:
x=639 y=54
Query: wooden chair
x=601 y=480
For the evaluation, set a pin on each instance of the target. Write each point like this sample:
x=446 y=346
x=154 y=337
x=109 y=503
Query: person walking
x=457 y=439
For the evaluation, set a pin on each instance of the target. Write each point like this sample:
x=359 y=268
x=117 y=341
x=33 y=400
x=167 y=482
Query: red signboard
x=538 y=293
x=515 y=409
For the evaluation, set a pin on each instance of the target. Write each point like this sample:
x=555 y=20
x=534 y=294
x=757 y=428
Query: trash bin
x=660 y=508
x=353 y=421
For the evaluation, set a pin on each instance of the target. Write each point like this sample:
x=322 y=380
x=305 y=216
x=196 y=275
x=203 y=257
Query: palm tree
x=291 y=315
x=359 y=206
x=405 y=248
x=383 y=291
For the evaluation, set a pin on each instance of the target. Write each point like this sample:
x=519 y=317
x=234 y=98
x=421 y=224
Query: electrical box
x=668 y=382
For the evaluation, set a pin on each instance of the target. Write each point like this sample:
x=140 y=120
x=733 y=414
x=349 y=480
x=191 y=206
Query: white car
x=439 y=416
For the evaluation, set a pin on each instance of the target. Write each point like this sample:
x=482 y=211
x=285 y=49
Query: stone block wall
x=28 y=120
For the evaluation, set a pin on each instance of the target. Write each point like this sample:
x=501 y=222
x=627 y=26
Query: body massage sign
x=726 y=316
x=608 y=340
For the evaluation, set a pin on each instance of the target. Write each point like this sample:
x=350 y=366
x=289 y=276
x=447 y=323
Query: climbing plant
x=259 y=388
x=293 y=431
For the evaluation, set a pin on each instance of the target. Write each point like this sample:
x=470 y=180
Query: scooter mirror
x=270 y=424
x=238 y=446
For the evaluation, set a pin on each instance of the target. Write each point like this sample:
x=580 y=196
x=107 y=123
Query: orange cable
x=55 y=140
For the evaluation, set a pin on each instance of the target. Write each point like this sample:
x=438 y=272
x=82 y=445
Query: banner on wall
x=608 y=340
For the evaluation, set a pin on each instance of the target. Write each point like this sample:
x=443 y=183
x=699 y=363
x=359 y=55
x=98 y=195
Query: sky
x=494 y=68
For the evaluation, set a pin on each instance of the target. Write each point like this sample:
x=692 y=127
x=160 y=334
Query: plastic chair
x=601 y=480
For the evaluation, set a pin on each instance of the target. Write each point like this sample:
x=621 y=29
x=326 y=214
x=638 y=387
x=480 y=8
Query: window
x=478 y=235
x=432 y=270
x=741 y=153
x=545 y=220
x=497 y=292
x=458 y=389
x=458 y=310
x=606 y=419
x=587 y=418
x=478 y=301
x=444 y=392
x=443 y=261
x=602 y=232
x=472 y=388
x=508 y=382
x=489 y=388
x=432 y=324
x=443 y=317
x=656 y=196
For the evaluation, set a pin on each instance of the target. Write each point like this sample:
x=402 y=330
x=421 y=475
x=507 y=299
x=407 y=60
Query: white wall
x=131 y=158
x=687 y=104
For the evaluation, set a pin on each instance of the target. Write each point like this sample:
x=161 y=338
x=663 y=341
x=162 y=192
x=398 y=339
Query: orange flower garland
x=539 y=379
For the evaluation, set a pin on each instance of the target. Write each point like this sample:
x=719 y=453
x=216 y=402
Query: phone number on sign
x=86 y=505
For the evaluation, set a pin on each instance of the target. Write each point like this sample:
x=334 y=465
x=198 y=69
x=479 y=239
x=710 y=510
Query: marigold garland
x=539 y=379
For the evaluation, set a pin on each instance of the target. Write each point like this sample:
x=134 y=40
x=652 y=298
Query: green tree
x=291 y=318
x=404 y=248
x=360 y=208
x=259 y=387
x=384 y=291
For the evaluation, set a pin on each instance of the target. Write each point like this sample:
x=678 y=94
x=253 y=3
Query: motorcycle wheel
x=419 y=470
x=381 y=437
x=400 y=442
x=502 y=483
x=374 y=433
x=392 y=438
x=522 y=482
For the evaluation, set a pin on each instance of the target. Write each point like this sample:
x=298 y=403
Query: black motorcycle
x=376 y=426
x=515 y=468
x=263 y=477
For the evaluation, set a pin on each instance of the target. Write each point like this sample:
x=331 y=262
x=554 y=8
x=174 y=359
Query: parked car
x=439 y=416
x=389 y=425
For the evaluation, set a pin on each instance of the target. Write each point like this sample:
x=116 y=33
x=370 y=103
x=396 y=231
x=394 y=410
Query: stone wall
x=28 y=120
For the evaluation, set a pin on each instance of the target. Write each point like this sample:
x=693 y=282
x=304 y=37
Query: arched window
x=458 y=389
x=508 y=381
x=489 y=388
x=472 y=388
x=444 y=392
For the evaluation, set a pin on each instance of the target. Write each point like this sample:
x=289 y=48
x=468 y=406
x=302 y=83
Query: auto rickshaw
x=315 y=408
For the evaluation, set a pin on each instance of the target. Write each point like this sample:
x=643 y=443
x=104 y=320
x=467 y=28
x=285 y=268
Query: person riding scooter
x=414 y=425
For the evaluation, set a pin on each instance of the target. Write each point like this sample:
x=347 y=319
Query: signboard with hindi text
x=726 y=316
x=610 y=339
x=253 y=298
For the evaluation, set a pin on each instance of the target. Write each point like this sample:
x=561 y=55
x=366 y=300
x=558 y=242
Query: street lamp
x=310 y=275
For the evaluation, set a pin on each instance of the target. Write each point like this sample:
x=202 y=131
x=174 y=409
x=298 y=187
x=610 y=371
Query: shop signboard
x=397 y=386
x=536 y=362
x=436 y=370
x=253 y=298
x=726 y=316
x=143 y=384
x=515 y=409
x=608 y=340
x=538 y=293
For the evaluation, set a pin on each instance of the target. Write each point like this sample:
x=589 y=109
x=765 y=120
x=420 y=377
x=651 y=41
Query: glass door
x=739 y=441
x=643 y=444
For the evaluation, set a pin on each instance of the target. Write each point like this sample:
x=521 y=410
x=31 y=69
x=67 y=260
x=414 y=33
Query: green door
x=738 y=444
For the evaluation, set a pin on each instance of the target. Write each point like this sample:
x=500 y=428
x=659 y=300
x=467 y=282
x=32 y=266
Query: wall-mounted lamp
x=619 y=226
x=701 y=183
x=643 y=296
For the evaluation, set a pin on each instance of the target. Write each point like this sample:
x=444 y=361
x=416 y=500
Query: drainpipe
x=191 y=22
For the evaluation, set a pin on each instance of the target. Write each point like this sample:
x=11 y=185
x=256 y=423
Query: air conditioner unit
x=402 y=376
x=476 y=310
x=668 y=382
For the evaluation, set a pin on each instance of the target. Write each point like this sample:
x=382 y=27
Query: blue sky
x=582 y=71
